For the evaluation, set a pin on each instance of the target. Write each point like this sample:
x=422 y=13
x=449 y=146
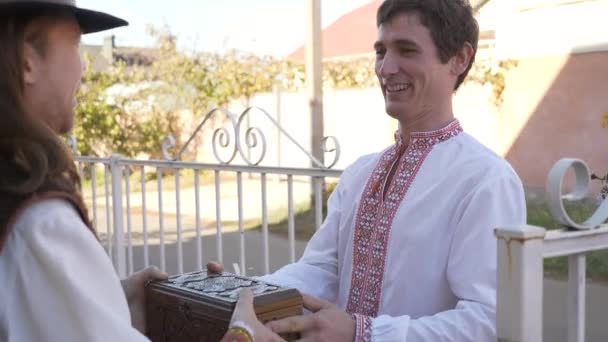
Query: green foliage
x=171 y=95
x=352 y=73
x=488 y=72
x=605 y=120
x=359 y=73
x=105 y=125
x=96 y=119
x=539 y=215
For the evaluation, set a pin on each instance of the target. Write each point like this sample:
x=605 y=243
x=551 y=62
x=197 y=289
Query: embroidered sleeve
x=363 y=329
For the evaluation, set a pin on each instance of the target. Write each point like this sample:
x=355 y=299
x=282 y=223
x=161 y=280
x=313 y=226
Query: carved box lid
x=221 y=291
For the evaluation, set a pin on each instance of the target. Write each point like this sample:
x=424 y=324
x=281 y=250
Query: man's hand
x=327 y=323
x=215 y=267
x=134 y=288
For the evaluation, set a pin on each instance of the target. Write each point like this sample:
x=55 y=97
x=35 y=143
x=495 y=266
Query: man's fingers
x=315 y=304
x=215 y=267
x=275 y=338
x=292 y=324
x=309 y=338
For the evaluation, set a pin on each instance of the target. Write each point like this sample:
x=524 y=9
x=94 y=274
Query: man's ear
x=460 y=62
x=31 y=64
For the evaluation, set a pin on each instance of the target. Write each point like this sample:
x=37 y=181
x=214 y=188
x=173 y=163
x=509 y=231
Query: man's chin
x=395 y=111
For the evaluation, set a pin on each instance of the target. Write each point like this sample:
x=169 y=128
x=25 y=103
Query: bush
x=539 y=215
x=178 y=82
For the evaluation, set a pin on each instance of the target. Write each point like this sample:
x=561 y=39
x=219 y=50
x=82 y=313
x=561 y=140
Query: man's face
x=52 y=77
x=413 y=79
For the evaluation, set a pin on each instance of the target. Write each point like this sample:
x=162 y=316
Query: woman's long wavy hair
x=33 y=158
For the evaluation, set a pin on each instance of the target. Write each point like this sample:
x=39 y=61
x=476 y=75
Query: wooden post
x=314 y=76
x=314 y=86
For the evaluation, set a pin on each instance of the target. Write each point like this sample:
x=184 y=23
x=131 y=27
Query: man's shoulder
x=477 y=158
x=356 y=174
x=362 y=165
x=364 y=160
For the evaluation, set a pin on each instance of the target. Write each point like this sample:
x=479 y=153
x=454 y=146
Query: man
x=407 y=251
x=56 y=282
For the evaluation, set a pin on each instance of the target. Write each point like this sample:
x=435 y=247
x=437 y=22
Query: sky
x=272 y=27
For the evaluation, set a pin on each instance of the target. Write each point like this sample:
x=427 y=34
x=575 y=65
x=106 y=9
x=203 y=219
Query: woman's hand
x=134 y=288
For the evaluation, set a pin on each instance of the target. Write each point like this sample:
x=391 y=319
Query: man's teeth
x=397 y=87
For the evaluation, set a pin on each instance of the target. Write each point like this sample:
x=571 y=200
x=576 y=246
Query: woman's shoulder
x=47 y=211
x=49 y=217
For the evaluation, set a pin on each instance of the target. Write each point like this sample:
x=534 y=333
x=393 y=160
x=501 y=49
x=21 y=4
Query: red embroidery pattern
x=375 y=215
x=363 y=328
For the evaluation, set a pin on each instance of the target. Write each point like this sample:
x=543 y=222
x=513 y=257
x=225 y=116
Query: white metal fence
x=521 y=251
x=116 y=217
x=167 y=212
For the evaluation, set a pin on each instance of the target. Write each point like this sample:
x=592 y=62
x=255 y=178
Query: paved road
x=554 y=306
x=555 y=321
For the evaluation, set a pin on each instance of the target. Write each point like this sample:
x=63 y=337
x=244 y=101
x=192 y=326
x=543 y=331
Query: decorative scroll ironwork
x=250 y=139
x=72 y=144
x=221 y=138
x=556 y=199
x=239 y=139
x=335 y=149
x=167 y=145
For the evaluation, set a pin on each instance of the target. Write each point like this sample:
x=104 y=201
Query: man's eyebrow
x=398 y=42
x=405 y=43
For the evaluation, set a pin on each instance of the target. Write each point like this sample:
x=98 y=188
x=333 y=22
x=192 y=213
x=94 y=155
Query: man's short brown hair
x=451 y=23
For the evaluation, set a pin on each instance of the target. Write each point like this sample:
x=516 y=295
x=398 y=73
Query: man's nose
x=388 y=65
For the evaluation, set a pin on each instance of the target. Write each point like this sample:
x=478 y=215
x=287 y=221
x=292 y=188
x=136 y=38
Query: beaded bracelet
x=238 y=332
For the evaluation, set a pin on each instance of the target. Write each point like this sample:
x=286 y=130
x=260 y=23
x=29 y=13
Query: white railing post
x=119 y=256
x=519 y=292
x=576 y=297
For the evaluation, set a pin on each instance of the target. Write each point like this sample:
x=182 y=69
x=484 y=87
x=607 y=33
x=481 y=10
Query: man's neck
x=429 y=124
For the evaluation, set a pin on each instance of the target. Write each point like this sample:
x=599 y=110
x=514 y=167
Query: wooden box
x=198 y=306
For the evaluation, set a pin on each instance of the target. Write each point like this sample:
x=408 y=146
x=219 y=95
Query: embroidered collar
x=429 y=138
x=376 y=213
x=418 y=144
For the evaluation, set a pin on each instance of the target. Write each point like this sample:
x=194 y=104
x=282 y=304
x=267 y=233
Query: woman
x=56 y=283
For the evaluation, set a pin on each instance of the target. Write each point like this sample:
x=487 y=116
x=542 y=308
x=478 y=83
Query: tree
x=129 y=109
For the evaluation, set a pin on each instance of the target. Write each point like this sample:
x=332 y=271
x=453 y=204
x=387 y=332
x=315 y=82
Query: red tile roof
x=352 y=34
x=355 y=32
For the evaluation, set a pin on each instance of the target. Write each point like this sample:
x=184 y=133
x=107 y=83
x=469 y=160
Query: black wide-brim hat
x=90 y=21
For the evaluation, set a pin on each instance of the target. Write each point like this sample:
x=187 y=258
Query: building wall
x=355 y=117
x=553 y=102
x=540 y=28
x=553 y=107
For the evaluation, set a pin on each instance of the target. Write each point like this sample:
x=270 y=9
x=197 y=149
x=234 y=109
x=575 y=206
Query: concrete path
x=134 y=219
x=555 y=306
